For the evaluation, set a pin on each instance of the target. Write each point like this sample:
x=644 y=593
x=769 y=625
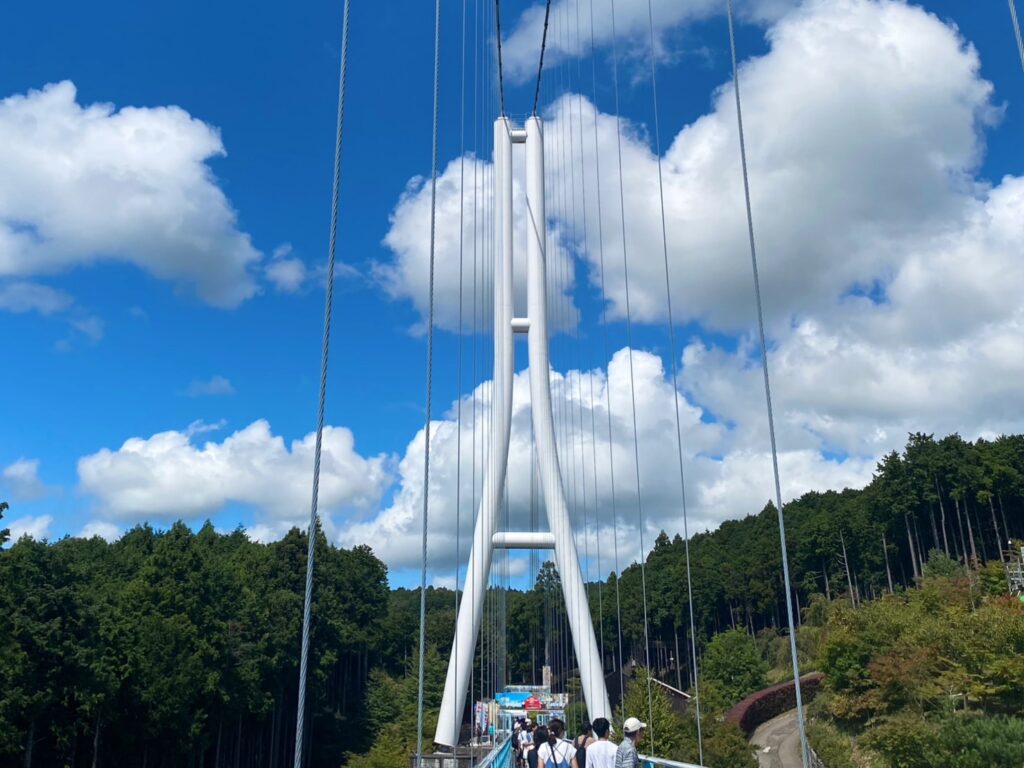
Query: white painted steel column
x=566 y=557
x=460 y=665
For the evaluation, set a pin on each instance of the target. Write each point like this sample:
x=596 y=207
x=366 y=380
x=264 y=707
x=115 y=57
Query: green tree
x=733 y=664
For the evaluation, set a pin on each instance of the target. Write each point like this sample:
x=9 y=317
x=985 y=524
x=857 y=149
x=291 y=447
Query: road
x=778 y=742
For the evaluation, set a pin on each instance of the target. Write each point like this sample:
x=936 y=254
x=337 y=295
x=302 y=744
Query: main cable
x=675 y=382
x=767 y=392
x=1016 y=31
x=501 y=75
x=543 y=46
x=307 y=603
x=430 y=382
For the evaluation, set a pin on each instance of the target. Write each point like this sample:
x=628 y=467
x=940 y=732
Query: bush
x=733 y=662
x=762 y=706
x=834 y=749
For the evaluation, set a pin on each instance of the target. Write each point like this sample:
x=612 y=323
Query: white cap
x=632 y=725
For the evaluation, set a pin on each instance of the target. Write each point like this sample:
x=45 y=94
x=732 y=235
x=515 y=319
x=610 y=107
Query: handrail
x=498 y=753
x=647 y=759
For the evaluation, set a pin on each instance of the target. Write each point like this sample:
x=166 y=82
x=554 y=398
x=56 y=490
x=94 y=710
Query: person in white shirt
x=601 y=753
x=555 y=753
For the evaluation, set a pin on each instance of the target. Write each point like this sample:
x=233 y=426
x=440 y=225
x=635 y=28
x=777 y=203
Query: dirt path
x=778 y=742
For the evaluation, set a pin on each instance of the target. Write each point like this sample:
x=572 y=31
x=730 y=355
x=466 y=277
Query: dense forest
x=174 y=647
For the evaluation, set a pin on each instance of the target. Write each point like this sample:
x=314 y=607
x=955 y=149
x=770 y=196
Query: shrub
x=733 y=662
x=762 y=706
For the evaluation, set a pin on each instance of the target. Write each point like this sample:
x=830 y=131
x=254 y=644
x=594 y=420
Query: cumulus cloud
x=728 y=474
x=25 y=296
x=21 y=478
x=864 y=129
x=570 y=26
x=105 y=530
x=216 y=385
x=465 y=194
x=890 y=270
x=36 y=527
x=167 y=476
x=285 y=272
x=90 y=183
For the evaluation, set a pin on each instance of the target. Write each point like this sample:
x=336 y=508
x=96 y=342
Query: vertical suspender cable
x=767 y=390
x=632 y=390
x=307 y=605
x=622 y=216
x=1016 y=31
x=430 y=372
x=458 y=425
x=675 y=381
x=600 y=244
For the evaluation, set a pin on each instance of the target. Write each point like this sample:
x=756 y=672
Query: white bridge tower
x=486 y=537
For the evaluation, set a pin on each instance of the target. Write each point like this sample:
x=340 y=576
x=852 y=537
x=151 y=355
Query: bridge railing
x=660 y=762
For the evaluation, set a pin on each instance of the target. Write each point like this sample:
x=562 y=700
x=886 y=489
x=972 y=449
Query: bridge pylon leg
x=467 y=627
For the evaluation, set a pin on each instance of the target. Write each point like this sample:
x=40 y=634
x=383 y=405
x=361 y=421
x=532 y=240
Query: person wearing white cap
x=626 y=756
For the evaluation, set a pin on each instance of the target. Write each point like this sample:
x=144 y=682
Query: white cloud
x=20 y=296
x=217 y=385
x=167 y=476
x=37 y=527
x=860 y=155
x=466 y=194
x=22 y=480
x=891 y=272
x=570 y=27
x=105 y=530
x=25 y=296
x=725 y=477
x=285 y=272
x=83 y=184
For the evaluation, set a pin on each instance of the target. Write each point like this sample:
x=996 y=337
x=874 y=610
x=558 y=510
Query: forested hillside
x=181 y=648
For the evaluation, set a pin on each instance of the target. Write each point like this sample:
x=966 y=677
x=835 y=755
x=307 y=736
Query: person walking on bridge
x=601 y=753
x=626 y=756
x=556 y=753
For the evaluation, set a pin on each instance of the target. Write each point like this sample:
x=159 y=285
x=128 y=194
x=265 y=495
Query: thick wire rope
x=458 y=426
x=579 y=362
x=593 y=403
x=477 y=20
x=1016 y=31
x=307 y=604
x=607 y=354
x=675 y=378
x=575 y=429
x=767 y=390
x=430 y=382
x=632 y=388
x=501 y=77
x=543 y=46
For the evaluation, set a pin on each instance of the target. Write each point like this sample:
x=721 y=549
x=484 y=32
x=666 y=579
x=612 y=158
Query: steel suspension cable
x=767 y=389
x=543 y=45
x=430 y=382
x=307 y=603
x=501 y=77
x=607 y=354
x=632 y=390
x=675 y=380
x=458 y=426
x=1016 y=31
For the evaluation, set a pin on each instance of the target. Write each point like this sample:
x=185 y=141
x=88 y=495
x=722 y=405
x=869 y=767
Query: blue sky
x=110 y=335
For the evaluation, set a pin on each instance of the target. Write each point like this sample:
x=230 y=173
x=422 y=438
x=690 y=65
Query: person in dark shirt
x=540 y=736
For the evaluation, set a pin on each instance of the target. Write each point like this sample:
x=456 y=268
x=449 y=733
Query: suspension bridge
x=496 y=251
